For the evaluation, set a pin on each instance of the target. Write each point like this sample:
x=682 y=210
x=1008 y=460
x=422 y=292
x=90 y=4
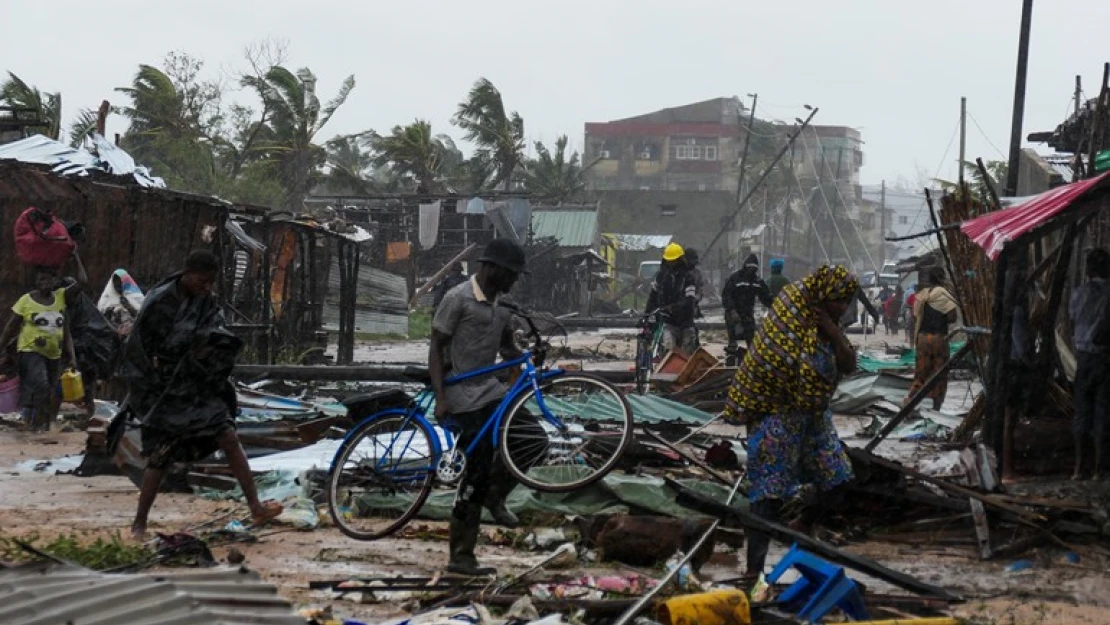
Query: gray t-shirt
x=1088 y=313
x=474 y=325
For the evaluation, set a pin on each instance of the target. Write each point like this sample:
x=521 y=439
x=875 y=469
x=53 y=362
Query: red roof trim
x=994 y=230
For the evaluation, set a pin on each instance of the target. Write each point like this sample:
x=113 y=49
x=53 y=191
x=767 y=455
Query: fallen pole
x=604 y=323
x=647 y=597
x=439 y=275
x=694 y=461
x=929 y=385
x=701 y=503
x=369 y=373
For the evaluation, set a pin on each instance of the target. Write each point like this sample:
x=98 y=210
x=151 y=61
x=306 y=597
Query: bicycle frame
x=529 y=379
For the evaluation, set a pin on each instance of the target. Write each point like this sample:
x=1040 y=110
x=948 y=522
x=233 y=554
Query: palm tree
x=350 y=166
x=47 y=107
x=413 y=152
x=82 y=128
x=167 y=133
x=498 y=135
x=295 y=117
x=556 y=178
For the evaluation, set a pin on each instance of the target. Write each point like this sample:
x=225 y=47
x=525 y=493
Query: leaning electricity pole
x=1019 y=98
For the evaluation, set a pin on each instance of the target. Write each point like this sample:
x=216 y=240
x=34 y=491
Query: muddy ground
x=45 y=504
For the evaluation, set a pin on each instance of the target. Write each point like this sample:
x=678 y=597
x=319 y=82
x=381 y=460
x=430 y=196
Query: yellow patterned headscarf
x=777 y=373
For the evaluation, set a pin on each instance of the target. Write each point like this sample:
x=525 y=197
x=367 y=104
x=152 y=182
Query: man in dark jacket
x=674 y=291
x=738 y=297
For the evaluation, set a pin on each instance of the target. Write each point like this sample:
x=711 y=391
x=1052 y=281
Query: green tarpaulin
x=907 y=361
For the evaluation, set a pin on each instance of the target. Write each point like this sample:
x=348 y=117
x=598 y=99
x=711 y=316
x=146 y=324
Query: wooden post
x=996 y=383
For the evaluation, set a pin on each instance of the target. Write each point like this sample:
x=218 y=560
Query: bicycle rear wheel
x=573 y=440
x=381 y=475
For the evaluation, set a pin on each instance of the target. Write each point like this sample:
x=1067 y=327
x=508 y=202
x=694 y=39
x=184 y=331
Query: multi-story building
x=698 y=147
x=695 y=147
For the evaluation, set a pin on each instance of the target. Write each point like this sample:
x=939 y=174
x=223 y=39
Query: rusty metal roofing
x=52 y=594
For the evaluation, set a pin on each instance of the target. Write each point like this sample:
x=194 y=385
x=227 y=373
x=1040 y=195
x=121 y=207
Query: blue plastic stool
x=822 y=587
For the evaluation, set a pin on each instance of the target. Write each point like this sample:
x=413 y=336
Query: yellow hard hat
x=673 y=251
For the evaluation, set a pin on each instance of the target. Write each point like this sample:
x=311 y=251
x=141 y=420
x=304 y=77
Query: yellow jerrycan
x=73 y=387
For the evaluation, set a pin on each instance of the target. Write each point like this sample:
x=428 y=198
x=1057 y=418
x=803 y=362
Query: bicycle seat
x=417 y=374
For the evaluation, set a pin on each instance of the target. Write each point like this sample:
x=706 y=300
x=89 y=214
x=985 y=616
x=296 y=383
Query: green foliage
x=420 y=323
x=498 y=135
x=47 y=106
x=99 y=554
x=556 y=178
x=976 y=182
x=414 y=155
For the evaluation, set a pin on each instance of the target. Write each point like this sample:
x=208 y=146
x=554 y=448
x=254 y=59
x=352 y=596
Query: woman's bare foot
x=266 y=511
x=138 y=531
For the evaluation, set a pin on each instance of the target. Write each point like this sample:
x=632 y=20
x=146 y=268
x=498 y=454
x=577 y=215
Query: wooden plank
x=701 y=503
x=869 y=458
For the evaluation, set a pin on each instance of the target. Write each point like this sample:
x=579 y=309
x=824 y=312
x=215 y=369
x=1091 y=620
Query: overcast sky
x=895 y=69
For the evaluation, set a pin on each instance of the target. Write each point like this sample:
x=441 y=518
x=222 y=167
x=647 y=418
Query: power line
x=859 y=236
x=809 y=215
x=828 y=207
x=982 y=132
x=940 y=165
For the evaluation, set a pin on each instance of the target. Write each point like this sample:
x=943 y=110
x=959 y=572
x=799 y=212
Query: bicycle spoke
x=569 y=437
x=380 y=475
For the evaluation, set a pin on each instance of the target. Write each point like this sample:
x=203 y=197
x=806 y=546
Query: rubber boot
x=759 y=543
x=495 y=503
x=465 y=527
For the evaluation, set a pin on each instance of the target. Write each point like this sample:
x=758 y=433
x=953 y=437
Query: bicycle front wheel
x=569 y=434
x=381 y=476
x=644 y=366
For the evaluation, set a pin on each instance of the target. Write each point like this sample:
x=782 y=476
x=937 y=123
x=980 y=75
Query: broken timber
x=365 y=373
x=906 y=410
x=697 y=501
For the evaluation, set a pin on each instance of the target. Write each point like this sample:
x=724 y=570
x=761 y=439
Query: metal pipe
x=637 y=607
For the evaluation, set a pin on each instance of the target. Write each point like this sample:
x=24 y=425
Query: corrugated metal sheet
x=993 y=231
x=68 y=160
x=639 y=242
x=53 y=594
x=572 y=227
x=382 y=302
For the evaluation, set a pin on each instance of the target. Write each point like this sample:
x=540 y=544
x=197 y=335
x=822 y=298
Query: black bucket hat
x=504 y=253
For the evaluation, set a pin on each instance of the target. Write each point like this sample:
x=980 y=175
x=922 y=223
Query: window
x=668 y=210
x=903 y=220
x=710 y=152
x=687 y=152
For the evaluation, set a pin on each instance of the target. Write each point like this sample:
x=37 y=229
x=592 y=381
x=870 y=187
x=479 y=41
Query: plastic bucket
x=9 y=396
x=721 y=607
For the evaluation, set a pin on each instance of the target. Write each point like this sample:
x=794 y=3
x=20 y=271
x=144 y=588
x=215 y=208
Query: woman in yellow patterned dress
x=781 y=392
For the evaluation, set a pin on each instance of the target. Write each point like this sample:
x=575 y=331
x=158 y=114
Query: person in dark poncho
x=741 y=291
x=176 y=363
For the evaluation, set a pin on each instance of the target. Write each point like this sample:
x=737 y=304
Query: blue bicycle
x=568 y=430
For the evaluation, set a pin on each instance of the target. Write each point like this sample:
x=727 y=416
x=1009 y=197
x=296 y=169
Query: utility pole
x=747 y=144
x=882 y=226
x=963 y=138
x=1019 y=98
x=1078 y=93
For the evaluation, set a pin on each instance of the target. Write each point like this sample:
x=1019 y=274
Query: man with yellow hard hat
x=674 y=292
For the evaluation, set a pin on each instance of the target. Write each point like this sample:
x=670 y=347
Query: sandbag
x=42 y=240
